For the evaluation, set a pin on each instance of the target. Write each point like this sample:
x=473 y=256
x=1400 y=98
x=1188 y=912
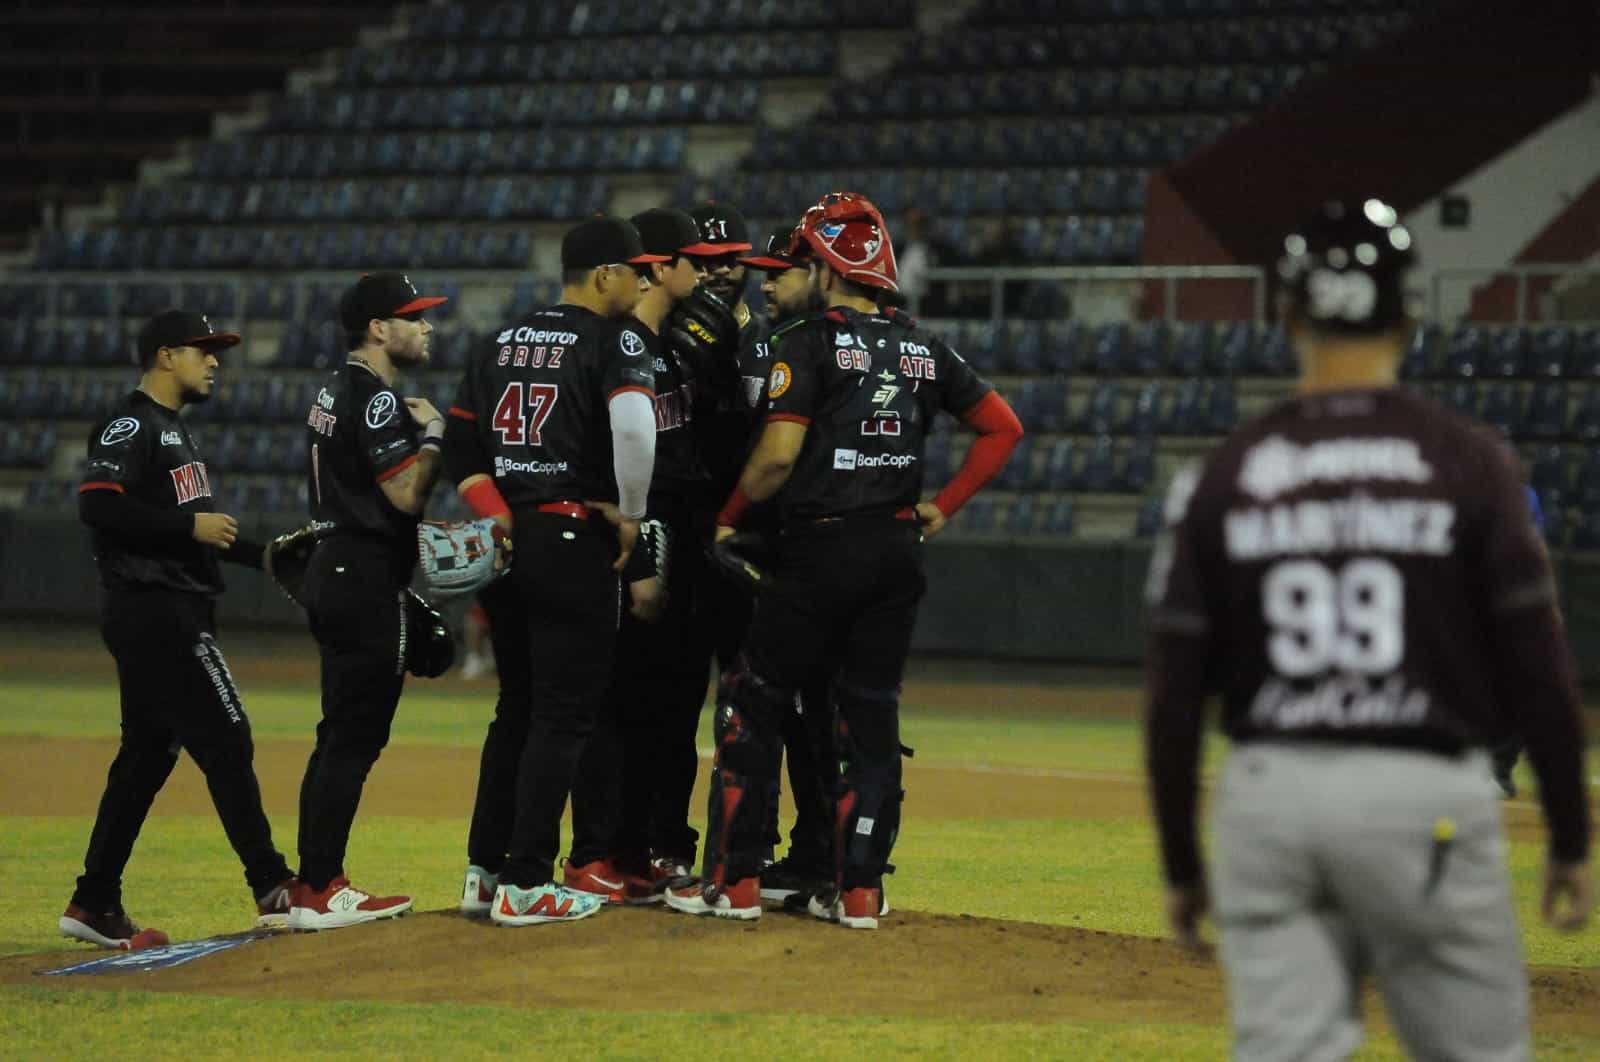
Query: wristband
x=484 y=499
x=737 y=505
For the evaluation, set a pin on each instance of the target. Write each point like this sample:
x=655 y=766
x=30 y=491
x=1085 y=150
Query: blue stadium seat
x=1110 y=350
x=1062 y=340
x=1099 y=474
x=1586 y=420
x=1021 y=518
x=1149 y=345
x=1547 y=411
x=1145 y=416
x=1549 y=470
x=1061 y=521
x=1465 y=351
x=1506 y=353
x=1139 y=468
x=1103 y=414
x=1191 y=349
x=1502 y=409
x=1061 y=467
x=1222 y=407
x=1148 y=522
x=1184 y=415
x=1586 y=355
x=1552 y=351
x=1463 y=397
x=1417 y=363
x=1234 y=350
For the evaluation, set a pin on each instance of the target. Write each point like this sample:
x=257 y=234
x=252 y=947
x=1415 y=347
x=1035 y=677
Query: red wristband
x=483 y=498
x=737 y=505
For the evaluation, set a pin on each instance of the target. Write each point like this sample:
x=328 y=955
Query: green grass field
x=1095 y=871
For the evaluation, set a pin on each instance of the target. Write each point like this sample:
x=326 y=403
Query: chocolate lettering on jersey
x=189 y=482
x=853 y=360
x=918 y=367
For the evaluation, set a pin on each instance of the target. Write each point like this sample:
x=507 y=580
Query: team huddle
x=660 y=477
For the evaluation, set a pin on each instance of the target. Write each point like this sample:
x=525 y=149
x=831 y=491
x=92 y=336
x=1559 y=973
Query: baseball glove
x=704 y=334
x=462 y=557
x=740 y=558
x=285 y=559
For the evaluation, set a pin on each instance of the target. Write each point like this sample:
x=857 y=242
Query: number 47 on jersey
x=522 y=410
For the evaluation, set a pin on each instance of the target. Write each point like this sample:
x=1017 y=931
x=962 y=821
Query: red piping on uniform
x=464 y=414
x=485 y=499
x=999 y=431
x=651 y=395
x=792 y=418
x=733 y=511
x=101 y=485
x=397 y=469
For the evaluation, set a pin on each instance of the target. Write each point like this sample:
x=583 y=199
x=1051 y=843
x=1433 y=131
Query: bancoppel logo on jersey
x=505 y=466
x=852 y=460
x=189 y=482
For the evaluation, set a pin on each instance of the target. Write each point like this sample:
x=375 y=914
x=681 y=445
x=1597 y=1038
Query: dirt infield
x=922 y=965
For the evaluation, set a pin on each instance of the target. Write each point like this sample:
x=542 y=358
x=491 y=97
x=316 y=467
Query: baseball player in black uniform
x=552 y=433
x=852 y=394
x=372 y=461
x=1356 y=574
x=146 y=496
x=630 y=803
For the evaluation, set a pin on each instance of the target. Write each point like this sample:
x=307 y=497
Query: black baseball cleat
x=786 y=877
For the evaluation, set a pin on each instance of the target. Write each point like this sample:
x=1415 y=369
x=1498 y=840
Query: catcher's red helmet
x=848 y=233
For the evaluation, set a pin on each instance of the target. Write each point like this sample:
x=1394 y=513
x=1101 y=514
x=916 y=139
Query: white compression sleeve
x=633 y=442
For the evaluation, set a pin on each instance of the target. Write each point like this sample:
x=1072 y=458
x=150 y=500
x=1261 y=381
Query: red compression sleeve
x=999 y=431
x=484 y=499
x=738 y=504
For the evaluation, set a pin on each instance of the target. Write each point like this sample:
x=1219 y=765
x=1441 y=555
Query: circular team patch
x=632 y=345
x=780 y=380
x=381 y=410
x=119 y=431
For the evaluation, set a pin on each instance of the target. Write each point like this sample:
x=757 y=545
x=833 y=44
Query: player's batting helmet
x=848 y=233
x=1344 y=267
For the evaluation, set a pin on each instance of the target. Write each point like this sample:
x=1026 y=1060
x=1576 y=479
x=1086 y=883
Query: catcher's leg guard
x=748 y=754
x=867 y=816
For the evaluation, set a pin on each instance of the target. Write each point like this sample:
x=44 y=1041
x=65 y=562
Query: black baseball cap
x=604 y=240
x=181 y=328
x=380 y=296
x=777 y=254
x=670 y=232
x=722 y=227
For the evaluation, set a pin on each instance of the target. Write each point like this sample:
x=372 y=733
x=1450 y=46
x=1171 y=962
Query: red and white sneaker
x=598 y=878
x=739 y=899
x=853 y=908
x=669 y=870
x=477 y=892
x=109 y=929
x=340 y=904
x=272 y=910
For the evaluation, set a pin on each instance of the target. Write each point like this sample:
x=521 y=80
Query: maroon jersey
x=1343 y=555
x=868 y=387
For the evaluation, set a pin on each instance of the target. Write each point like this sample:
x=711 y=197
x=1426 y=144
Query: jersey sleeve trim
x=464 y=414
x=647 y=392
x=390 y=473
x=101 y=485
x=792 y=418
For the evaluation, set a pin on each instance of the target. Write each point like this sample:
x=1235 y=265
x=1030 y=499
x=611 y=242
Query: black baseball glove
x=743 y=558
x=285 y=559
x=705 y=336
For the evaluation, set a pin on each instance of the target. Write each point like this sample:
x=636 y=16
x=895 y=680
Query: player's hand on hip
x=724 y=532
x=422 y=411
x=931 y=517
x=627 y=530
x=215 y=529
x=1186 y=905
x=649 y=599
x=1571 y=882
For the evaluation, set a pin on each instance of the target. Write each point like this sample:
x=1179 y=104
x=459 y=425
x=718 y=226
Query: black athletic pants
x=355 y=600
x=810 y=758
x=494 y=810
x=176 y=693
x=570 y=600
x=636 y=779
x=846 y=592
